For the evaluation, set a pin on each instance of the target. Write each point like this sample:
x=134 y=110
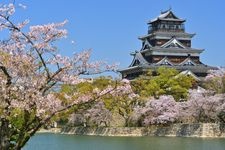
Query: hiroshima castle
x=167 y=44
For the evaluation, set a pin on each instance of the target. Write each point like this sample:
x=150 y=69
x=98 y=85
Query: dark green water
x=47 y=141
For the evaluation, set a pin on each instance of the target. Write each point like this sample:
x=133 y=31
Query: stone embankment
x=51 y=130
x=183 y=130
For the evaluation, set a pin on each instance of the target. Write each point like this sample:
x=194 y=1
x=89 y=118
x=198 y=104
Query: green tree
x=167 y=81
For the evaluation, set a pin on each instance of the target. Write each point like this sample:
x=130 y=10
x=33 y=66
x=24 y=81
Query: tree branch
x=9 y=78
x=14 y=27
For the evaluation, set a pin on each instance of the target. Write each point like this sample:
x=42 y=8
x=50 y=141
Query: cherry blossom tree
x=98 y=115
x=203 y=106
x=30 y=70
x=158 y=111
x=215 y=80
x=95 y=116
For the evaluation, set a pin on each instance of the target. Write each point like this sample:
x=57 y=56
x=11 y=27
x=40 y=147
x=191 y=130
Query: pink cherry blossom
x=32 y=70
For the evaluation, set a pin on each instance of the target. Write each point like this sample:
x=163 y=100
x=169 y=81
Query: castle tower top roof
x=166 y=16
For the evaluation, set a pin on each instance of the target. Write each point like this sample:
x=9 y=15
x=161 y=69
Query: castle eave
x=195 y=69
x=199 y=69
x=168 y=35
x=171 y=51
x=166 y=19
x=132 y=69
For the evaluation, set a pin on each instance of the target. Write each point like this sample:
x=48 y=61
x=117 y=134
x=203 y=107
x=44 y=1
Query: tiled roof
x=164 y=16
x=138 y=57
x=195 y=69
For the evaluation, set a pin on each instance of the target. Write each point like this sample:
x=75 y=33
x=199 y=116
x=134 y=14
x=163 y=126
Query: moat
x=49 y=141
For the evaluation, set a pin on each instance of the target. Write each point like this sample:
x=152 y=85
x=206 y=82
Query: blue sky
x=111 y=28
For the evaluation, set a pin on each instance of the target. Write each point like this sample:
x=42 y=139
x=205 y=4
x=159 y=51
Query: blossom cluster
x=201 y=106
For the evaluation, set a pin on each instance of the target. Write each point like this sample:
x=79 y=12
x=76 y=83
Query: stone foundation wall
x=184 y=130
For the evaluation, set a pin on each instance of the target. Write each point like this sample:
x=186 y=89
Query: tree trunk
x=4 y=135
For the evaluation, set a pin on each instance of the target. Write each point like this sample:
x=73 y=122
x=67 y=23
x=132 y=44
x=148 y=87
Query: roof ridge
x=164 y=61
x=189 y=61
x=174 y=41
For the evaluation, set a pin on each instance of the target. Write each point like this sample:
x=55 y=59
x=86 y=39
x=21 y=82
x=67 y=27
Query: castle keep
x=167 y=44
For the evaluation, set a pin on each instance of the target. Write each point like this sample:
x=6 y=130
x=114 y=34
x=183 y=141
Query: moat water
x=48 y=141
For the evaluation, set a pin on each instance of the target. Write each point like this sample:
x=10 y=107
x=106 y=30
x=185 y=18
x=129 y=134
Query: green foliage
x=87 y=87
x=114 y=103
x=167 y=81
x=103 y=82
x=17 y=123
